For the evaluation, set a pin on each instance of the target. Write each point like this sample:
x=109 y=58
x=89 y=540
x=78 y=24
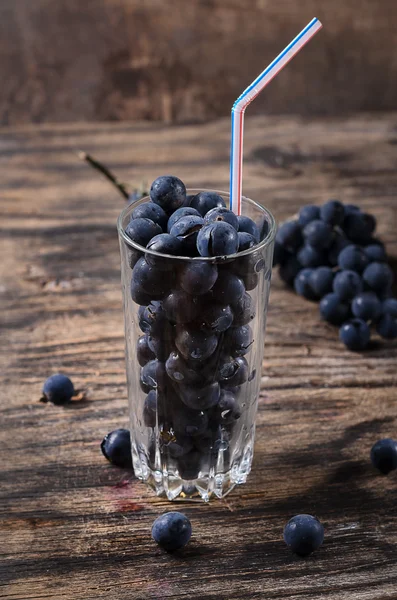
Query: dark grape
x=389 y=307
x=375 y=253
x=243 y=310
x=116 y=448
x=303 y=286
x=303 y=534
x=245 y=241
x=143 y=352
x=150 y=280
x=221 y=214
x=159 y=346
x=250 y=280
x=355 y=334
x=318 y=234
x=321 y=281
x=308 y=213
x=228 y=288
x=185 y=211
x=141 y=231
x=150 y=409
x=153 y=376
x=138 y=295
x=378 y=276
x=205 y=201
x=217 y=239
x=333 y=310
x=164 y=244
x=347 y=284
x=181 y=307
x=238 y=340
x=58 y=389
x=359 y=227
x=366 y=306
x=179 y=371
x=384 y=455
x=353 y=258
x=311 y=257
x=152 y=318
x=215 y=318
x=172 y=531
x=247 y=225
x=289 y=236
x=186 y=230
x=198 y=277
x=234 y=372
x=169 y=192
x=333 y=212
x=227 y=411
x=152 y=211
x=195 y=344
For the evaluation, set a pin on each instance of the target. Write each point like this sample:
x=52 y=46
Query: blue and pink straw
x=252 y=91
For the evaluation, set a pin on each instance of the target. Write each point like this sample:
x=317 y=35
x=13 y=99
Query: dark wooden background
x=183 y=61
x=72 y=527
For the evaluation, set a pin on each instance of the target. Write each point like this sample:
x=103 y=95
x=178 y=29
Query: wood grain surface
x=178 y=61
x=72 y=526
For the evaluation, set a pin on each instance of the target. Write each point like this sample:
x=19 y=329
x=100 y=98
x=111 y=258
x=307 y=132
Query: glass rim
x=262 y=244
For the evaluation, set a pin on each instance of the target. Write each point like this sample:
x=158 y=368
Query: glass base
x=206 y=486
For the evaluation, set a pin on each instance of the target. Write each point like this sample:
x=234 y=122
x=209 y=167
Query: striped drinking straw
x=238 y=109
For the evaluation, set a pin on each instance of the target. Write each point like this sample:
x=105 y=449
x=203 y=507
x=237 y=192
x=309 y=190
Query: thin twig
x=106 y=172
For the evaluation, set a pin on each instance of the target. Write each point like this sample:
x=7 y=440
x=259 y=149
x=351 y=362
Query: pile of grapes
x=329 y=254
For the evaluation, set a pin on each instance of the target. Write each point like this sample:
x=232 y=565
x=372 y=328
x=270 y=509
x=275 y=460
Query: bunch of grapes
x=329 y=254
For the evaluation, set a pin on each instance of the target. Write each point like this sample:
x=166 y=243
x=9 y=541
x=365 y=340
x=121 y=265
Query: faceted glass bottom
x=206 y=486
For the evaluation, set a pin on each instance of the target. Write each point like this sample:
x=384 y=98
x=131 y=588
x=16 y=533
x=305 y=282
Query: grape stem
x=95 y=164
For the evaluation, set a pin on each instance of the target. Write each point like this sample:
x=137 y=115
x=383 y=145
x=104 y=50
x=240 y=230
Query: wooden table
x=74 y=527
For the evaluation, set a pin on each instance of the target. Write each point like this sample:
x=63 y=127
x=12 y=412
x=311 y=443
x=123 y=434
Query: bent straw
x=252 y=91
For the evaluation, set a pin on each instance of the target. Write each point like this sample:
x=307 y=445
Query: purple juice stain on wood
x=122 y=495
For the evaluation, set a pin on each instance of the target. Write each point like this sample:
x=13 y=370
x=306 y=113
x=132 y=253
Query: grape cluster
x=329 y=254
x=195 y=319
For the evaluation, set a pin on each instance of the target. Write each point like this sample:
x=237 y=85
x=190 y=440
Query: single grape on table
x=384 y=455
x=172 y=531
x=303 y=534
x=116 y=447
x=58 y=389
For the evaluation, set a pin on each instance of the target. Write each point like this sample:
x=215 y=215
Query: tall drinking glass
x=194 y=348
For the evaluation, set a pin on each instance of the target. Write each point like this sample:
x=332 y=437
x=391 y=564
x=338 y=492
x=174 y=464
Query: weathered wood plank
x=176 y=61
x=73 y=527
